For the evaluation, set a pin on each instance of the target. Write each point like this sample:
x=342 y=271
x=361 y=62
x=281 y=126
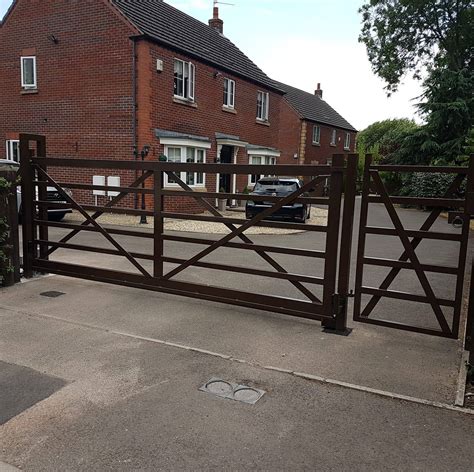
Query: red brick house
x=311 y=129
x=107 y=78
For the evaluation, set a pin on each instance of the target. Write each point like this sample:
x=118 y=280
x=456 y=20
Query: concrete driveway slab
x=136 y=405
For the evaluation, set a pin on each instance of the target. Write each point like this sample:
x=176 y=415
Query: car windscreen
x=276 y=186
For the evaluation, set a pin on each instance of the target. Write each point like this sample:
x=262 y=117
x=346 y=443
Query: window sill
x=29 y=91
x=333 y=145
x=179 y=189
x=317 y=144
x=183 y=101
x=261 y=122
x=347 y=149
x=229 y=110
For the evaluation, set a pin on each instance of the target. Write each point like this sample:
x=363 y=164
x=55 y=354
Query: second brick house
x=108 y=78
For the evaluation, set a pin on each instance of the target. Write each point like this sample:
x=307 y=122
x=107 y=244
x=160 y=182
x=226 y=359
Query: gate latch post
x=338 y=323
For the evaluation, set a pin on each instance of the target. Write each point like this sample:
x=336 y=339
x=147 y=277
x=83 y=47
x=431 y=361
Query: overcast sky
x=303 y=42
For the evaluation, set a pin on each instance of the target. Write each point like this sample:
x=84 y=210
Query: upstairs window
x=28 y=72
x=263 y=100
x=229 y=93
x=316 y=134
x=333 y=137
x=13 y=150
x=347 y=141
x=184 y=79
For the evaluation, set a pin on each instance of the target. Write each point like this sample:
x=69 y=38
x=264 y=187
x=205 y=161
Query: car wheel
x=56 y=216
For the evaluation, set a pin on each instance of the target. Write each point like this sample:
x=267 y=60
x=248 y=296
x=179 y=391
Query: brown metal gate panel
x=375 y=192
x=38 y=247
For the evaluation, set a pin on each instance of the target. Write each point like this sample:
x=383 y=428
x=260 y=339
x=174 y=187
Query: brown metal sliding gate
x=456 y=197
x=330 y=308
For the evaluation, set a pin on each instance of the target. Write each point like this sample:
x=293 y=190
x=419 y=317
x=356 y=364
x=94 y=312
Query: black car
x=278 y=187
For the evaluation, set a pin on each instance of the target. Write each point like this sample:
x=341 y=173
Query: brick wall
x=315 y=153
x=83 y=104
x=157 y=108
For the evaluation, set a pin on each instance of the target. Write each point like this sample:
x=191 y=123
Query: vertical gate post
x=331 y=300
x=364 y=210
x=158 y=224
x=469 y=341
x=350 y=191
x=26 y=173
x=42 y=196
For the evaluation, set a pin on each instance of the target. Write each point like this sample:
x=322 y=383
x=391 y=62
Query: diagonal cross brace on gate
x=94 y=223
x=109 y=204
x=415 y=242
x=408 y=259
x=245 y=238
x=411 y=254
x=238 y=231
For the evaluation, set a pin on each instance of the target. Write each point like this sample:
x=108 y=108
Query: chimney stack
x=318 y=91
x=216 y=22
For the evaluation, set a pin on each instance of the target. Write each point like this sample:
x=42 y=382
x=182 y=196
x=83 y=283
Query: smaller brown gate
x=456 y=197
x=161 y=274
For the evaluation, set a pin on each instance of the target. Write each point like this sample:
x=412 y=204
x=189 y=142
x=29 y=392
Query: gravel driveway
x=318 y=217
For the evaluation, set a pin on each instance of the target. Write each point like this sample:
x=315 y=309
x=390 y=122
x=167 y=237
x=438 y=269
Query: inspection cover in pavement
x=52 y=294
x=232 y=391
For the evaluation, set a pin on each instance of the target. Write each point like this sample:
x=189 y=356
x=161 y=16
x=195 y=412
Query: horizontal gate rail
x=175 y=260
x=407 y=265
x=289 y=306
x=374 y=192
x=250 y=247
x=40 y=172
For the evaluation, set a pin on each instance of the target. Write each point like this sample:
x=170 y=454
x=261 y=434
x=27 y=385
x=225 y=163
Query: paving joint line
x=301 y=375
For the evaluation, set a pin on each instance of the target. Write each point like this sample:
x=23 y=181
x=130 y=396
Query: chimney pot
x=215 y=22
x=318 y=91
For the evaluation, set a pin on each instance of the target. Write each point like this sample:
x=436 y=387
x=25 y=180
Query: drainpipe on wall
x=134 y=112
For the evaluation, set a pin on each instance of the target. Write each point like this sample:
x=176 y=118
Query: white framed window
x=28 y=72
x=333 y=137
x=263 y=105
x=13 y=150
x=184 y=79
x=190 y=155
x=347 y=141
x=229 y=93
x=316 y=134
x=260 y=160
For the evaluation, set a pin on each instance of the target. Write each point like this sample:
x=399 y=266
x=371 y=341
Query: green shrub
x=426 y=185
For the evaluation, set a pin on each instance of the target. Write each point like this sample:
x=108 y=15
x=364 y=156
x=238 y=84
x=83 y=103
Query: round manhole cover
x=219 y=387
x=247 y=395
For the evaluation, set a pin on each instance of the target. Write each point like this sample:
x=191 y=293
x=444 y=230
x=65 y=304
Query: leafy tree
x=411 y=35
x=384 y=138
x=437 y=36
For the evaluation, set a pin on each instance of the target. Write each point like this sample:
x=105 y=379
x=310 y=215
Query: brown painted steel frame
x=372 y=182
x=38 y=247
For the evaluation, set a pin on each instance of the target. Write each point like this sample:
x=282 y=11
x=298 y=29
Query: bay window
x=260 y=160
x=186 y=154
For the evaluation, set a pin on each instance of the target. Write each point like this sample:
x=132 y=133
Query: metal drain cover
x=52 y=294
x=232 y=391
